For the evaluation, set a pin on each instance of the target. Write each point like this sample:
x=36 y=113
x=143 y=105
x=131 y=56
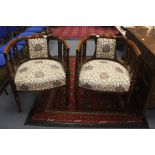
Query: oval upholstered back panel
x=105 y=48
x=38 y=48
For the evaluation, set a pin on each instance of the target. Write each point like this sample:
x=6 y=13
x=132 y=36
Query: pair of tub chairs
x=103 y=72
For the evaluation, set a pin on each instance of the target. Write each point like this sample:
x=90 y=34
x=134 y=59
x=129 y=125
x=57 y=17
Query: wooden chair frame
x=63 y=58
x=130 y=60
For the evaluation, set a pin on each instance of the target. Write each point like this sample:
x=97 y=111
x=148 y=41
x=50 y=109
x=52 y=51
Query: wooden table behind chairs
x=145 y=40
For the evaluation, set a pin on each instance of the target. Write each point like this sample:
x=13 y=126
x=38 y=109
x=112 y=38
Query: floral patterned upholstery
x=38 y=48
x=39 y=74
x=104 y=75
x=105 y=48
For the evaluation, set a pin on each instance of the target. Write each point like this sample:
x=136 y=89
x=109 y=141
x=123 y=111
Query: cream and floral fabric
x=104 y=75
x=38 y=48
x=105 y=48
x=39 y=74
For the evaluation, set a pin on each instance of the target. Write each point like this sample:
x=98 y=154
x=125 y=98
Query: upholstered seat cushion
x=104 y=75
x=39 y=74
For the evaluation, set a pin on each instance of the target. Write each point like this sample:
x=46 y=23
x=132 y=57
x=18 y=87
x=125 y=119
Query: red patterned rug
x=93 y=109
x=77 y=32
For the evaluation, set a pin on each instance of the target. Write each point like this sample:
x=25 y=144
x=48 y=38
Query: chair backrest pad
x=38 y=48
x=105 y=48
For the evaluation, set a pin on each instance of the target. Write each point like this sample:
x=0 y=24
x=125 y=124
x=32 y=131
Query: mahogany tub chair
x=104 y=72
x=39 y=71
